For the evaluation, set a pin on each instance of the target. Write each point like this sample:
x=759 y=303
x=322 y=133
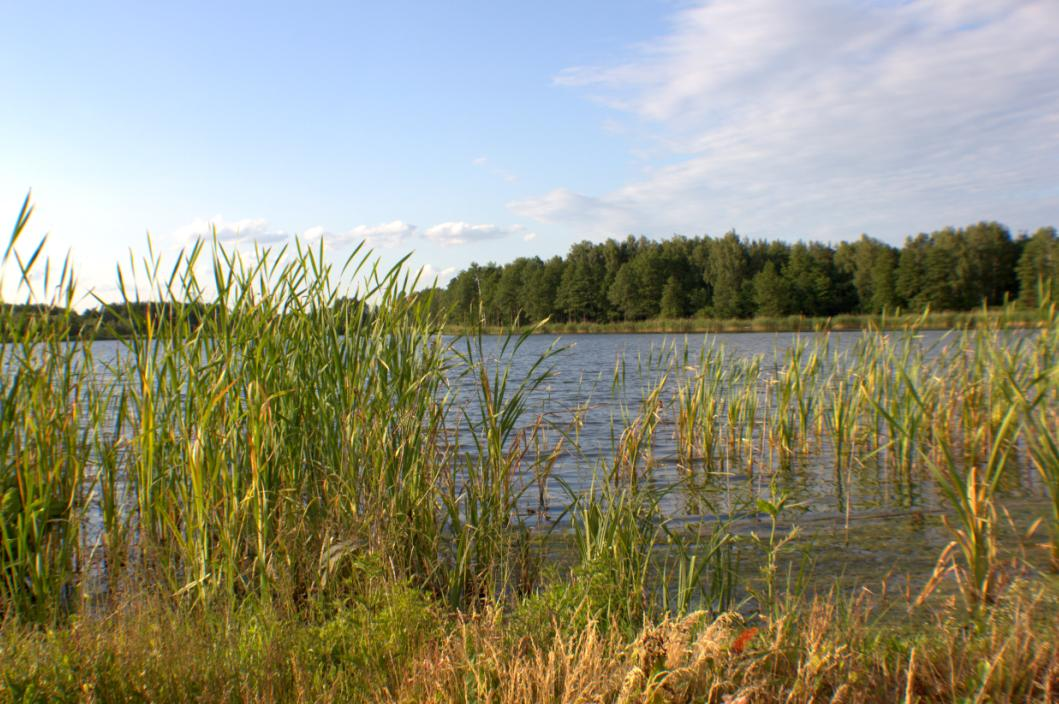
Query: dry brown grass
x=831 y=651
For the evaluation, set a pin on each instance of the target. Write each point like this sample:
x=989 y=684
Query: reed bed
x=288 y=484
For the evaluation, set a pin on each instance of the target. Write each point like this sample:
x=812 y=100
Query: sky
x=484 y=131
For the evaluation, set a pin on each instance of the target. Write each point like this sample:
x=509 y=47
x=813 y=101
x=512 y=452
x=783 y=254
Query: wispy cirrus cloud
x=828 y=118
x=589 y=214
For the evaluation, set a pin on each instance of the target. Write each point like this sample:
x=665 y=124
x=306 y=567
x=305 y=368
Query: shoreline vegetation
x=275 y=494
x=1010 y=318
x=120 y=322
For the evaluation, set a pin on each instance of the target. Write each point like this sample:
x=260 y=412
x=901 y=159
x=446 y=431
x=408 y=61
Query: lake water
x=868 y=521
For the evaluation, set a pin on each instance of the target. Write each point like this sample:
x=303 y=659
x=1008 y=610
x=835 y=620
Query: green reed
x=698 y=402
x=971 y=495
x=46 y=476
x=840 y=416
x=257 y=420
x=640 y=565
x=1035 y=394
x=798 y=400
x=481 y=501
x=282 y=413
x=633 y=454
x=1044 y=448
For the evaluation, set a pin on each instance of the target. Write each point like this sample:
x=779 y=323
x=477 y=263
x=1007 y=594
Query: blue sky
x=484 y=131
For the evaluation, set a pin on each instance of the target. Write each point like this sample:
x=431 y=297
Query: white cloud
x=249 y=231
x=428 y=275
x=234 y=232
x=387 y=235
x=827 y=118
x=456 y=233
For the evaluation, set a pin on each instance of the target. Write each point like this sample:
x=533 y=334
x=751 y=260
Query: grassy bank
x=399 y=647
x=285 y=497
x=1011 y=317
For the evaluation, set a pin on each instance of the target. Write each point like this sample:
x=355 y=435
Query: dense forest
x=732 y=277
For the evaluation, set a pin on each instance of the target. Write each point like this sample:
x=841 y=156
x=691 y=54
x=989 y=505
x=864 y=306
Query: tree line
x=734 y=277
x=683 y=277
x=128 y=318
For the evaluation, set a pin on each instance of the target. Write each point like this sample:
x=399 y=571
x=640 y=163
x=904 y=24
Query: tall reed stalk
x=971 y=495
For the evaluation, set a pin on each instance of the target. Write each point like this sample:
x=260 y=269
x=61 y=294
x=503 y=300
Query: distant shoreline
x=1006 y=318
x=1009 y=318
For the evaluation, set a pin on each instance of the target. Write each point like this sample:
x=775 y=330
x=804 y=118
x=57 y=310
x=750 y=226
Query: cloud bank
x=829 y=118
